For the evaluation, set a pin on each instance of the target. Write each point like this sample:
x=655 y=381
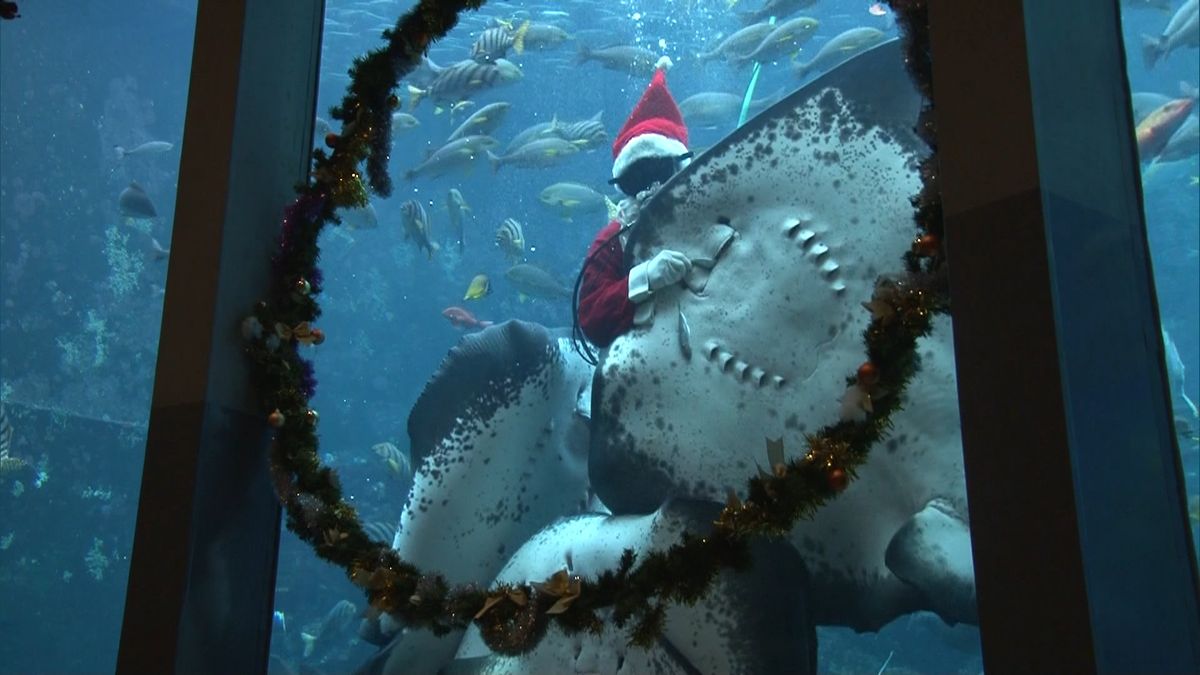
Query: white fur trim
x=646 y=145
x=639 y=282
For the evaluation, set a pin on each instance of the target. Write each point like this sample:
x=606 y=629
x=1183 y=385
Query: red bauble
x=838 y=480
x=927 y=245
x=318 y=336
x=276 y=418
x=332 y=139
x=868 y=374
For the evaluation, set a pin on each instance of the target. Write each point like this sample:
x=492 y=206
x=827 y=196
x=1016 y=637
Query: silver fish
x=133 y=202
x=457 y=154
x=457 y=208
x=738 y=44
x=685 y=336
x=544 y=36
x=711 y=109
x=1183 y=30
x=784 y=41
x=402 y=120
x=533 y=133
x=570 y=198
x=483 y=121
x=622 y=58
x=536 y=282
x=536 y=154
x=147 y=148
x=839 y=48
x=775 y=8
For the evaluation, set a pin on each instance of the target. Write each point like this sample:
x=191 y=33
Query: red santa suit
x=609 y=290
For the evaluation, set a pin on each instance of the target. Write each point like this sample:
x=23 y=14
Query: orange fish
x=461 y=318
x=1154 y=131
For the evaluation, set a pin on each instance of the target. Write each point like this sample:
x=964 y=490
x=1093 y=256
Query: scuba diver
x=649 y=149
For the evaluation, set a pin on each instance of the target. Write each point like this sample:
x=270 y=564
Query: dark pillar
x=1084 y=561
x=203 y=568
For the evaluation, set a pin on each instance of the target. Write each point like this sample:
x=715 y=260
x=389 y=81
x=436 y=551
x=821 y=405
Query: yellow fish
x=480 y=286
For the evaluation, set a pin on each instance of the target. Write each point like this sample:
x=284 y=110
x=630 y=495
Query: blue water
x=80 y=295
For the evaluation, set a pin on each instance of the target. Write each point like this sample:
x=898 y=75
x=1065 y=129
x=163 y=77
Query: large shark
x=789 y=222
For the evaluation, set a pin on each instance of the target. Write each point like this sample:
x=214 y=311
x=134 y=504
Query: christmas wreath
x=513 y=618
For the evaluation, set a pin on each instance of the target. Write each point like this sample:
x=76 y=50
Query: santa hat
x=655 y=128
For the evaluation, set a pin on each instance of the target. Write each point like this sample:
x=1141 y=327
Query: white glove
x=664 y=269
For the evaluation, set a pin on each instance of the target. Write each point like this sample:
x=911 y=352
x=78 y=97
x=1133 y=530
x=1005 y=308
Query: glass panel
x=404 y=281
x=92 y=104
x=1160 y=40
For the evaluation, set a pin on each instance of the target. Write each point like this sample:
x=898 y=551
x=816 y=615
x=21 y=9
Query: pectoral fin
x=932 y=552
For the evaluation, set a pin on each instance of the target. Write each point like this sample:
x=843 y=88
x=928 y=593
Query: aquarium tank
x=515 y=386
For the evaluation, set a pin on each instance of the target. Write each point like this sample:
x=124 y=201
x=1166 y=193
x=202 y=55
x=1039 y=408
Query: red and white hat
x=655 y=128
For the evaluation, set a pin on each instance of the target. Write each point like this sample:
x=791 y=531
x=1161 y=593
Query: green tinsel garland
x=512 y=619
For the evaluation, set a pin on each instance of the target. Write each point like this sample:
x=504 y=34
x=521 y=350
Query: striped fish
x=396 y=459
x=6 y=432
x=586 y=134
x=494 y=43
x=379 y=530
x=8 y=463
x=510 y=237
x=415 y=223
x=465 y=78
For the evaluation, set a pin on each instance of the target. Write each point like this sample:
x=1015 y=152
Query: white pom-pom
x=664 y=62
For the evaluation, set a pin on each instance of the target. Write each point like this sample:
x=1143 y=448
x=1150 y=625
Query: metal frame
x=202 y=577
x=1083 y=556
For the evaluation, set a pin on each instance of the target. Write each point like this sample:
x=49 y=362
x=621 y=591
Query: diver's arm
x=667 y=267
x=605 y=310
